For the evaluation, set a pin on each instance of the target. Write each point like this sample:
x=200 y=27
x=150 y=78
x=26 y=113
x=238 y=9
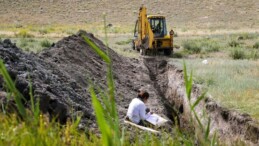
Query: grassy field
x=233 y=83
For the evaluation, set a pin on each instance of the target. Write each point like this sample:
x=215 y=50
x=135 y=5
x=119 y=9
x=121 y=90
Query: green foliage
x=24 y=34
x=254 y=54
x=246 y=36
x=237 y=53
x=205 y=140
x=23 y=42
x=18 y=97
x=201 y=45
x=43 y=31
x=176 y=46
x=233 y=43
x=175 y=34
x=256 y=45
x=192 y=46
x=177 y=55
x=124 y=42
x=45 y=43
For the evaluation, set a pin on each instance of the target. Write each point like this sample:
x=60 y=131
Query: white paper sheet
x=156 y=120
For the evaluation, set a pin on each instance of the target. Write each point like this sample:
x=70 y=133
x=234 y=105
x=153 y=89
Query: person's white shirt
x=137 y=111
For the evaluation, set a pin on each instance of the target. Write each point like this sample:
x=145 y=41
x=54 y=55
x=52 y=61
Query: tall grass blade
x=11 y=86
x=213 y=141
x=207 y=130
x=188 y=82
x=198 y=120
x=104 y=56
x=112 y=120
x=102 y=124
x=198 y=100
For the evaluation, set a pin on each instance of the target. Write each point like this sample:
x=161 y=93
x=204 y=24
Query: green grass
x=234 y=83
x=33 y=44
x=124 y=42
x=256 y=45
x=196 y=46
x=45 y=43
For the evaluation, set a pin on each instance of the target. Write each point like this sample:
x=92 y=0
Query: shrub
x=246 y=36
x=177 y=55
x=256 y=45
x=175 y=34
x=24 y=34
x=45 y=43
x=254 y=54
x=210 y=46
x=233 y=43
x=237 y=53
x=124 y=42
x=43 y=31
x=23 y=42
x=176 y=46
x=191 y=46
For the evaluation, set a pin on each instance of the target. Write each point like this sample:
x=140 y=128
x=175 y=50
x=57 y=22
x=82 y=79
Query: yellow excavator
x=150 y=34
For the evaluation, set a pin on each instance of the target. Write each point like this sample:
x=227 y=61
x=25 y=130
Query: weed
x=176 y=46
x=237 y=53
x=254 y=54
x=124 y=42
x=203 y=131
x=175 y=34
x=191 y=46
x=256 y=45
x=23 y=42
x=177 y=55
x=27 y=49
x=24 y=34
x=233 y=43
x=201 y=45
x=45 y=43
x=43 y=31
x=246 y=36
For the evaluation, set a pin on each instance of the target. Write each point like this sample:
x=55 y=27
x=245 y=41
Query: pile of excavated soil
x=60 y=77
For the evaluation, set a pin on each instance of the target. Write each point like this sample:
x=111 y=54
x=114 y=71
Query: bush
x=24 y=34
x=43 y=31
x=210 y=46
x=45 y=43
x=176 y=46
x=237 y=53
x=256 y=45
x=246 y=36
x=175 y=34
x=201 y=45
x=177 y=55
x=23 y=42
x=233 y=43
x=191 y=46
x=253 y=55
x=124 y=42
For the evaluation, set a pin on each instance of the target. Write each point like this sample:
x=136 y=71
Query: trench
x=232 y=127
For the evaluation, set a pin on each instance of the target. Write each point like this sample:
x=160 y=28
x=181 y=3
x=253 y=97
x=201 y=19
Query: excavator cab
x=158 y=25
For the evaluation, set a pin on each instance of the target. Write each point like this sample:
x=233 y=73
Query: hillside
x=213 y=14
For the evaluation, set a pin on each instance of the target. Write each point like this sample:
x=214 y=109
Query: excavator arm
x=145 y=32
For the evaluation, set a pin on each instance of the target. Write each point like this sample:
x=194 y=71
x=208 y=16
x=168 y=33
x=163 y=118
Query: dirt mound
x=60 y=75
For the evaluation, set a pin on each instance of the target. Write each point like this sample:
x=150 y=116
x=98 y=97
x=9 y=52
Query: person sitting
x=137 y=111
